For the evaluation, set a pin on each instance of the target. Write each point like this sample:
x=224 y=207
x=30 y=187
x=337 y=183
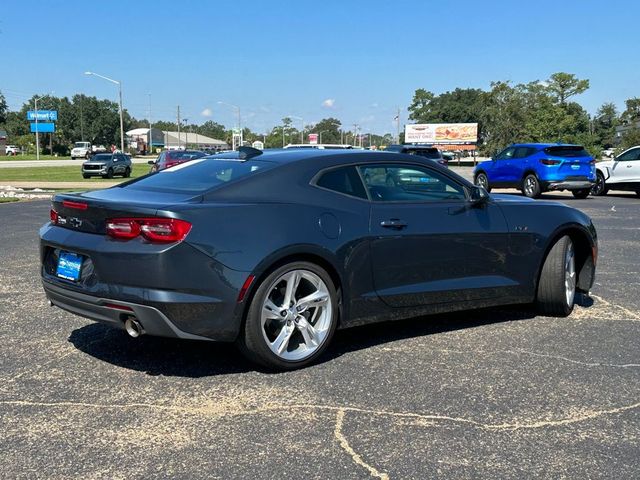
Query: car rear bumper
x=115 y=312
x=569 y=185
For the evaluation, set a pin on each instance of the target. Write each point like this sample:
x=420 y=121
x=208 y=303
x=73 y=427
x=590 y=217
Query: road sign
x=43 y=115
x=43 y=127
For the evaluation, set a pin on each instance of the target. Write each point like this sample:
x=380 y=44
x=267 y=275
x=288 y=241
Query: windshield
x=567 y=151
x=81 y=144
x=198 y=176
x=101 y=157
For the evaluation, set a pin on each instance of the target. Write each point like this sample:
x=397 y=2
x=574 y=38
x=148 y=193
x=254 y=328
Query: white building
x=140 y=139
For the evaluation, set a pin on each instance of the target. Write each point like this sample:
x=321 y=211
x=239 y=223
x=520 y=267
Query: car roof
x=544 y=145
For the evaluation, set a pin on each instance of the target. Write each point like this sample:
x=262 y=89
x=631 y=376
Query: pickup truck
x=81 y=150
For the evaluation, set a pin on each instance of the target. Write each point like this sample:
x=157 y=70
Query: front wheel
x=557 y=285
x=291 y=318
x=531 y=186
x=127 y=172
x=600 y=187
x=581 y=193
x=482 y=180
x=110 y=173
x=84 y=175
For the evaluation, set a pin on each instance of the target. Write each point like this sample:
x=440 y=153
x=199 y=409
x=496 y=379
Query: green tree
x=605 y=122
x=3 y=109
x=330 y=128
x=421 y=108
x=565 y=85
x=504 y=116
x=632 y=110
x=630 y=138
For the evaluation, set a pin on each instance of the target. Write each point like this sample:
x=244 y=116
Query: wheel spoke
x=281 y=342
x=293 y=280
x=308 y=332
x=270 y=310
x=316 y=299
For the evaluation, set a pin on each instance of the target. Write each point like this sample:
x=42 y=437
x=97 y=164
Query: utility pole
x=398 y=125
x=35 y=103
x=149 y=145
x=355 y=133
x=179 y=139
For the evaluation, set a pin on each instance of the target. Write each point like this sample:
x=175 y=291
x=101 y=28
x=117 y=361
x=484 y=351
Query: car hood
x=511 y=199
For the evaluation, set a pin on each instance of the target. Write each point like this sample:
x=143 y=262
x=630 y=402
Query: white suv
x=621 y=173
x=11 y=150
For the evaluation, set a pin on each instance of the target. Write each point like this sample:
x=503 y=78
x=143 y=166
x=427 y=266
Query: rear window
x=430 y=153
x=567 y=151
x=184 y=155
x=198 y=176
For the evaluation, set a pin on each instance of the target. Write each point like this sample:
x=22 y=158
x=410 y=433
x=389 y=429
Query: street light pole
x=120 y=97
x=302 y=130
x=35 y=103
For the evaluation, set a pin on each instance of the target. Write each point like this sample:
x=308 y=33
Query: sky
x=353 y=60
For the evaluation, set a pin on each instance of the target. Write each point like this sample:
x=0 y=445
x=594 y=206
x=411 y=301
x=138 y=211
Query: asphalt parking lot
x=481 y=394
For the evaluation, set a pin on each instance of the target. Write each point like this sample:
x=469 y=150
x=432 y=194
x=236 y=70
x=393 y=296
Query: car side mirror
x=151 y=162
x=479 y=195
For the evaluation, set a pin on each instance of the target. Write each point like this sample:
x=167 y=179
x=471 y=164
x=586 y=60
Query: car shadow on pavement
x=185 y=358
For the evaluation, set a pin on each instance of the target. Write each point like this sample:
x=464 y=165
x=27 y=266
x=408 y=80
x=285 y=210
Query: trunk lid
x=574 y=160
x=88 y=212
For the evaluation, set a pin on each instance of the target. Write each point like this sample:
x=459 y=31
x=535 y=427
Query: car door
x=429 y=243
x=519 y=163
x=626 y=168
x=502 y=166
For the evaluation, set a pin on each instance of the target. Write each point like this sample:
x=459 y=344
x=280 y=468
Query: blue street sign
x=43 y=127
x=43 y=115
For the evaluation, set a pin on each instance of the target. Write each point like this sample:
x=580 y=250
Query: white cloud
x=374 y=105
x=329 y=103
x=207 y=112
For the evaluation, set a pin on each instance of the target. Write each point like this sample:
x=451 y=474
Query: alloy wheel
x=482 y=181
x=529 y=186
x=296 y=315
x=569 y=275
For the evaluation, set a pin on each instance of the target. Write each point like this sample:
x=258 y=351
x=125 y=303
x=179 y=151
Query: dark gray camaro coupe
x=276 y=250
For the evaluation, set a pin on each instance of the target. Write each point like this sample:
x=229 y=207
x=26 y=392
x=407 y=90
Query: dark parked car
x=107 y=165
x=169 y=158
x=426 y=151
x=539 y=167
x=276 y=250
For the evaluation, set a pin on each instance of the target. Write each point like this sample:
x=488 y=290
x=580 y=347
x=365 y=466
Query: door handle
x=394 y=223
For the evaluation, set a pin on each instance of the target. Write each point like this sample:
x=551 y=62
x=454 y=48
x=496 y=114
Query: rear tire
x=271 y=324
x=531 y=186
x=600 y=187
x=558 y=279
x=482 y=180
x=581 y=193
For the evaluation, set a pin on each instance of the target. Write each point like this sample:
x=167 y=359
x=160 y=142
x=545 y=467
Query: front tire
x=531 y=186
x=127 y=172
x=292 y=317
x=110 y=173
x=84 y=175
x=581 y=193
x=557 y=285
x=600 y=187
x=482 y=180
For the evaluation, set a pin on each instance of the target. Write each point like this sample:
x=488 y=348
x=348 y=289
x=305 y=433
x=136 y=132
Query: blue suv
x=539 y=167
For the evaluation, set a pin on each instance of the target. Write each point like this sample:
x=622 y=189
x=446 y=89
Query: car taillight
x=53 y=215
x=74 y=205
x=153 y=229
x=592 y=162
x=548 y=161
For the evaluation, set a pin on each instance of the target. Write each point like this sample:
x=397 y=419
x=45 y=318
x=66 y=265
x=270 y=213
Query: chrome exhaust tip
x=133 y=327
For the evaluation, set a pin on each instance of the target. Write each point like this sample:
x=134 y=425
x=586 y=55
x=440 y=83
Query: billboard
x=43 y=115
x=441 y=133
x=313 y=138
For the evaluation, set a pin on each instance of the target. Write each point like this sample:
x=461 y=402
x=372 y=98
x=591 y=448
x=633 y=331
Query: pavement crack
x=571 y=360
x=356 y=457
x=582 y=416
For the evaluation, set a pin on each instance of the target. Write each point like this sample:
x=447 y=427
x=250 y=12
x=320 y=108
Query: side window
x=633 y=154
x=522 y=152
x=409 y=183
x=506 y=154
x=343 y=180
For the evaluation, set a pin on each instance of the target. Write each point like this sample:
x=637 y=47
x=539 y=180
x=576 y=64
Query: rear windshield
x=178 y=155
x=567 y=151
x=430 y=153
x=198 y=176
